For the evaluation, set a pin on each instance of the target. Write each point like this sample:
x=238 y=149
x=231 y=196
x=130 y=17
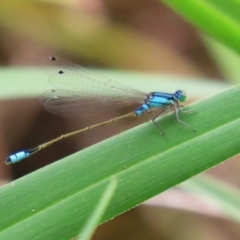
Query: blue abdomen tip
x=17 y=157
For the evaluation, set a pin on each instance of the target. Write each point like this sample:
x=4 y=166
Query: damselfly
x=75 y=87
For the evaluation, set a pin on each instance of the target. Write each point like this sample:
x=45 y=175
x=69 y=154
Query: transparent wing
x=75 y=87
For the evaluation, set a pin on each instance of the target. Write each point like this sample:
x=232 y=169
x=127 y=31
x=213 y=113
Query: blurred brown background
x=129 y=35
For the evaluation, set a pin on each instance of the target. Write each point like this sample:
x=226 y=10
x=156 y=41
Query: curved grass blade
x=55 y=201
x=98 y=212
x=220 y=19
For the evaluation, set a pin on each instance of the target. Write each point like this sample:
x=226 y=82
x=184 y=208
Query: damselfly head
x=181 y=95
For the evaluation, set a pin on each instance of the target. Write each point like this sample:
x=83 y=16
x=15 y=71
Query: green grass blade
x=29 y=88
x=226 y=59
x=95 y=218
x=219 y=18
x=55 y=201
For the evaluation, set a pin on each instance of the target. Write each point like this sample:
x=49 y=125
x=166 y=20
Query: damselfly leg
x=178 y=109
